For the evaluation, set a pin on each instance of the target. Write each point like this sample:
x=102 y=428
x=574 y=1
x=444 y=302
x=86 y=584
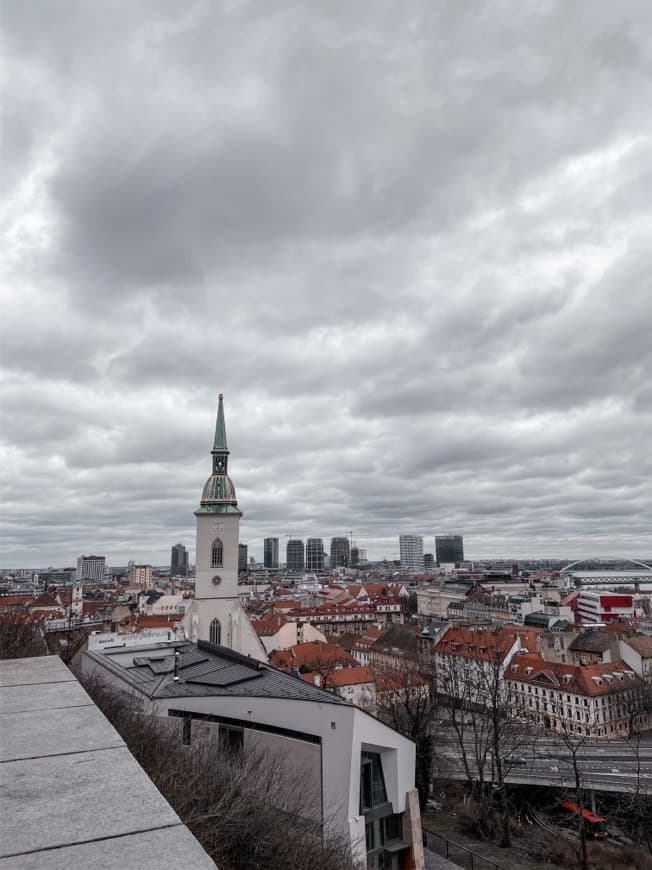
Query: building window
x=372 y=783
x=217 y=551
x=215 y=633
x=231 y=739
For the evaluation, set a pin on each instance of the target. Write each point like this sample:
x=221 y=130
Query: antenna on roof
x=177 y=656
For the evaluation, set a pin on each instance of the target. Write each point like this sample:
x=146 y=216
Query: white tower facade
x=216 y=614
x=77 y=600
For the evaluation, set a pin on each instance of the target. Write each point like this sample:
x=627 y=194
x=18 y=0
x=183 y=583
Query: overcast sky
x=410 y=243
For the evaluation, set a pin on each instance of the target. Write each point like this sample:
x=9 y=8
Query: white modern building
x=599 y=607
x=357 y=773
x=411 y=551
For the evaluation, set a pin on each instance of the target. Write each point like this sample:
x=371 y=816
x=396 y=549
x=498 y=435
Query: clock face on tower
x=216 y=580
x=219 y=463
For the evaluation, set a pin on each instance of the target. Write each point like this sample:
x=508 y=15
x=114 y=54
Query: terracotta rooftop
x=45 y=599
x=371 y=635
x=603 y=679
x=269 y=625
x=14 y=600
x=395 y=681
x=342 y=677
x=480 y=645
x=313 y=656
x=159 y=621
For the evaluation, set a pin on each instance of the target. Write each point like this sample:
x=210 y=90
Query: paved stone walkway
x=436 y=862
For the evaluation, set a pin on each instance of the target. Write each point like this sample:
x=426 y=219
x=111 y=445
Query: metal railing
x=458 y=854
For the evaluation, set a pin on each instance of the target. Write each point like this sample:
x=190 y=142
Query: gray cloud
x=410 y=244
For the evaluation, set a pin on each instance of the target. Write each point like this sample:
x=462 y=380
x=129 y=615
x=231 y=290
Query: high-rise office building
x=90 y=567
x=295 y=560
x=449 y=549
x=179 y=561
x=340 y=553
x=242 y=557
x=411 y=547
x=428 y=561
x=314 y=554
x=270 y=553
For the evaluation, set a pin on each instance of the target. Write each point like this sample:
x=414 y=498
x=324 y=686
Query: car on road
x=515 y=759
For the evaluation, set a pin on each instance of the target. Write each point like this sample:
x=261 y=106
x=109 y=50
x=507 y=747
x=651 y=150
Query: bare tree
x=488 y=737
x=633 y=812
x=21 y=636
x=404 y=701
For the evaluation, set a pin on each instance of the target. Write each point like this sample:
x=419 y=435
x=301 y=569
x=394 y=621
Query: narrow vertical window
x=215 y=633
x=217 y=551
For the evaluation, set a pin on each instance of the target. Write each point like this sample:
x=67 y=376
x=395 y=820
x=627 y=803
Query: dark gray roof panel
x=213 y=671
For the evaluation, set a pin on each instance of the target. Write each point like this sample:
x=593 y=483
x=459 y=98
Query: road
x=607 y=765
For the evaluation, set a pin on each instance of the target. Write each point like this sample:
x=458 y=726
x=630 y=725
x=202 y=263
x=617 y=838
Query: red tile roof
x=158 y=621
x=479 y=645
x=395 y=681
x=288 y=604
x=313 y=656
x=45 y=599
x=366 y=640
x=600 y=679
x=269 y=624
x=14 y=601
x=342 y=677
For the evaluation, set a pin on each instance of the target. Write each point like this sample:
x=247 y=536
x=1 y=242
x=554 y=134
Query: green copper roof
x=218 y=487
x=219 y=495
x=220 y=429
x=218 y=509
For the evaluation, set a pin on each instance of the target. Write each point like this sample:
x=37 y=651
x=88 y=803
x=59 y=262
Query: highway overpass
x=612 y=765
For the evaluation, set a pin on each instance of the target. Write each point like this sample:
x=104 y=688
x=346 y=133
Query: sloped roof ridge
x=230 y=654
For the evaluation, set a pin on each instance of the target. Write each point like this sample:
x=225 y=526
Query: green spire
x=220 y=451
x=220 y=428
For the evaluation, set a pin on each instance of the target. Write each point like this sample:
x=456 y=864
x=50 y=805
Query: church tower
x=216 y=614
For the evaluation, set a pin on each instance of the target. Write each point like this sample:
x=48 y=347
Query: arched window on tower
x=215 y=633
x=217 y=551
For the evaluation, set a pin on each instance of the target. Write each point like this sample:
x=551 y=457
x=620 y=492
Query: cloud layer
x=409 y=244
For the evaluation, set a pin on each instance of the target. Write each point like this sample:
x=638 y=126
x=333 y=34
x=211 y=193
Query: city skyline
x=411 y=247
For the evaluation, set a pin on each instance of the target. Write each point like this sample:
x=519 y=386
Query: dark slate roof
x=206 y=669
x=593 y=640
x=396 y=636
